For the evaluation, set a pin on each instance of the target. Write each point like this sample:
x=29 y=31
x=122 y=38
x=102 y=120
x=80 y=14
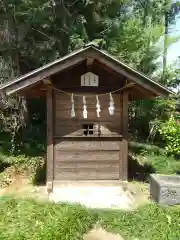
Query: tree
x=36 y=32
x=171 y=10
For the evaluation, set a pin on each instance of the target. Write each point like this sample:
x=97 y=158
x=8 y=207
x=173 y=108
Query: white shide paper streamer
x=98 y=107
x=73 y=114
x=84 y=107
x=111 y=105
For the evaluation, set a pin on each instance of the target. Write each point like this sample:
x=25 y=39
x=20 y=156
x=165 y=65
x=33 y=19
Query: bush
x=170 y=131
x=34 y=166
x=5 y=179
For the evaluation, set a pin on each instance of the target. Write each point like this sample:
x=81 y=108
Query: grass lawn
x=28 y=219
x=22 y=218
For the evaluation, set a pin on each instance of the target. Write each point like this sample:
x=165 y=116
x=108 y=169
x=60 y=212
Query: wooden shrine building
x=87 y=95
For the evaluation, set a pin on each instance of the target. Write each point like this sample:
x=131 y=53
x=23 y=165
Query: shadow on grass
x=40 y=175
x=138 y=172
x=3 y=166
x=137 y=148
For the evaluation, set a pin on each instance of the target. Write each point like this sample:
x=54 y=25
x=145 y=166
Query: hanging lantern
x=98 y=107
x=111 y=105
x=73 y=114
x=84 y=107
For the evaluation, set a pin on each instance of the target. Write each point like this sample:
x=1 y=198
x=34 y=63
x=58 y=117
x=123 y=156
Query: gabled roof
x=76 y=57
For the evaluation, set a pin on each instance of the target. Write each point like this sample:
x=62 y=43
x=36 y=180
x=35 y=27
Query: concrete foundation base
x=93 y=196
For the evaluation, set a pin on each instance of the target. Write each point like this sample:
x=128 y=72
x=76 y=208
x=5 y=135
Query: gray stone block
x=165 y=189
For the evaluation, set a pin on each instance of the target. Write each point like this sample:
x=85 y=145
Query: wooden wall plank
x=104 y=115
x=87 y=175
x=85 y=155
x=86 y=145
x=88 y=164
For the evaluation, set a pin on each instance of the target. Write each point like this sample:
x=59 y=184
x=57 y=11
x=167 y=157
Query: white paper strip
x=111 y=105
x=98 y=107
x=73 y=114
x=84 y=107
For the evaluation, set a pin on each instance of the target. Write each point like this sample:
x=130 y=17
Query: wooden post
x=120 y=141
x=50 y=150
x=125 y=138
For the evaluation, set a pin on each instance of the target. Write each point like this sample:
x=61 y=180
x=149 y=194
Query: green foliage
x=170 y=131
x=14 y=165
x=36 y=32
x=5 y=179
x=145 y=123
x=27 y=219
x=160 y=163
x=170 y=77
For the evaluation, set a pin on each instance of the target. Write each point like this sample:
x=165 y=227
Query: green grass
x=160 y=164
x=137 y=147
x=31 y=220
x=27 y=219
x=154 y=156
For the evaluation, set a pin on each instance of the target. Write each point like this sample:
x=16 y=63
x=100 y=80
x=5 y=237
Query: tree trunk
x=166 y=24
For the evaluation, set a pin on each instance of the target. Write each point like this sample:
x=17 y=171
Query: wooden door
x=86 y=159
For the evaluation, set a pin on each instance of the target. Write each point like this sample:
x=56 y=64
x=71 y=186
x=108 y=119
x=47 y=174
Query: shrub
x=16 y=165
x=170 y=132
x=5 y=179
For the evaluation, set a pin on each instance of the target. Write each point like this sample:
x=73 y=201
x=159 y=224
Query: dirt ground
x=140 y=192
x=99 y=233
x=21 y=187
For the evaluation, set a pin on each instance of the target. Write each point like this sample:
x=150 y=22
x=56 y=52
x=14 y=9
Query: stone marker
x=165 y=189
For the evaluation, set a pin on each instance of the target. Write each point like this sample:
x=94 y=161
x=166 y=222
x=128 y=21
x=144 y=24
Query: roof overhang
x=89 y=52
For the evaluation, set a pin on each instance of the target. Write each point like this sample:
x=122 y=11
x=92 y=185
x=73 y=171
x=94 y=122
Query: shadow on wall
x=138 y=172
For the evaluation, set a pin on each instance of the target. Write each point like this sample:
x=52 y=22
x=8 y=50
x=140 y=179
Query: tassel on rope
x=84 y=107
x=111 y=105
x=73 y=114
x=98 y=107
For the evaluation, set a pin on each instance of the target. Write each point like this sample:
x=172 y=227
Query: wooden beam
x=44 y=73
x=120 y=143
x=125 y=117
x=50 y=150
x=128 y=73
x=89 y=61
x=108 y=69
x=47 y=81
